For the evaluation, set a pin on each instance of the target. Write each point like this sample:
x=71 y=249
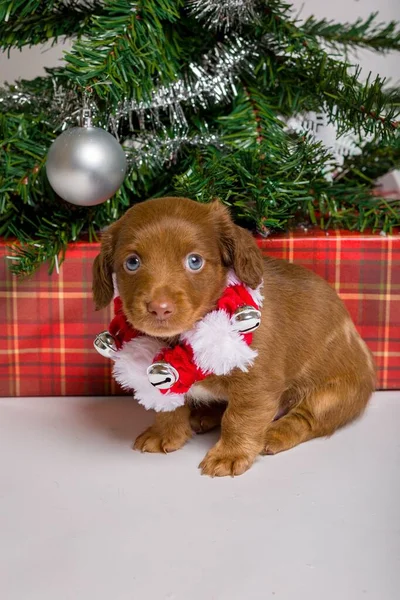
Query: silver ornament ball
x=86 y=165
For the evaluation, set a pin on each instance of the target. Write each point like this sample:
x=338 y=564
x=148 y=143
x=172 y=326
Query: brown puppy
x=313 y=373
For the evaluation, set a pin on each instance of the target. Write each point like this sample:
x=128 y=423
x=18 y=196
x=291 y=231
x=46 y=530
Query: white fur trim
x=256 y=294
x=130 y=370
x=115 y=285
x=217 y=348
x=232 y=279
x=201 y=395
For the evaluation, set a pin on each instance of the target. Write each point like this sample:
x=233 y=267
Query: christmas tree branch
x=265 y=185
x=272 y=195
x=313 y=80
x=299 y=75
x=198 y=109
x=250 y=121
x=366 y=108
x=373 y=161
x=368 y=33
x=126 y=48
x=38 y=21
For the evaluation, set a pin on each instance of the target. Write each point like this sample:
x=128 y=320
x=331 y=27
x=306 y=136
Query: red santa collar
x=161 y=376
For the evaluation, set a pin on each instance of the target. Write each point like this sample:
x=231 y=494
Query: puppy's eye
x=194 y=262
x=132 y=263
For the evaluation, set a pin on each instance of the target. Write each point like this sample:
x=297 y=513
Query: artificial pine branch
x=313 y=81
x=200 y=108
x=126 y=48
x=368 y=33
x=303 y=76
x=266 y=185
x=374 y=160
x=272 y=195
x=41 y=20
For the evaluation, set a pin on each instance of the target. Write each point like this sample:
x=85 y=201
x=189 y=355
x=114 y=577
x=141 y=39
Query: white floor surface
x=83 y=517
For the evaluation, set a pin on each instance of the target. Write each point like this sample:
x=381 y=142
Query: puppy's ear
x=238 y=248
x=102 y=285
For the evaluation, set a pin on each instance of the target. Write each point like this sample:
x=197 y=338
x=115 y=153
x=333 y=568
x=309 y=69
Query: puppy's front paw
x=218 y=462
x=153 y=440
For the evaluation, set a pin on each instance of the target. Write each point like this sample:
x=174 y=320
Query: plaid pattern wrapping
x=48 y=323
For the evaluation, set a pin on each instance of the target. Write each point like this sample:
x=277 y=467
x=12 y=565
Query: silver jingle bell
x=246 y=319
x=105 y=345
x=162 y=375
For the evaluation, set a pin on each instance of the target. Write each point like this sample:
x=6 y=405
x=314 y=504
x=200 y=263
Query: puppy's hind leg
x=206 y=416
x=320 y=414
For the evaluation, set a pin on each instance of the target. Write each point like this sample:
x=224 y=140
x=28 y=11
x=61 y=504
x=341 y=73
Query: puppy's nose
x=162 y=309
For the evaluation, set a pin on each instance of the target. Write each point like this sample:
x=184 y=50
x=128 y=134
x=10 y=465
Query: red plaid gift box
x=48 y=323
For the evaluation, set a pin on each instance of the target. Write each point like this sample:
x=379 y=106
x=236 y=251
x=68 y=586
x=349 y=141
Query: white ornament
x=324 y=130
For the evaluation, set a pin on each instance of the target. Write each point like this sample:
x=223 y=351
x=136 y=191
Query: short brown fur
x=313 y=374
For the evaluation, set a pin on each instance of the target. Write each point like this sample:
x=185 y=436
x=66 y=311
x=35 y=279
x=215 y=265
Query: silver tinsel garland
x=155 y=150
x=212 y=80
x=224 y=14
